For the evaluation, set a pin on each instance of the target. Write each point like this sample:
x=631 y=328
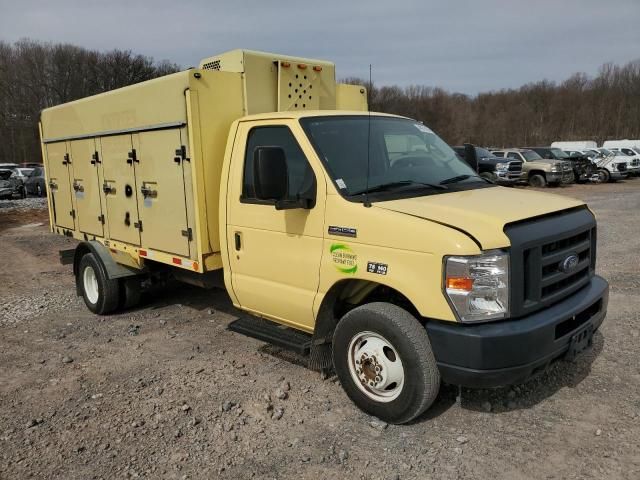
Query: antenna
x=366 y=192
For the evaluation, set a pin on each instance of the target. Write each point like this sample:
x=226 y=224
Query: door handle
x=238 y=240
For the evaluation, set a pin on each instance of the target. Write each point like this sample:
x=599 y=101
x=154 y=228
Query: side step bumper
x=273 y=333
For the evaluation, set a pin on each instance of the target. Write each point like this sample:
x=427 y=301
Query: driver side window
x=301 y=177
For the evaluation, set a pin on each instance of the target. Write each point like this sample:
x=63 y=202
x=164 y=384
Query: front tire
x=383 y=358
x=537 y=181
x=100 y=294
x=603 y=176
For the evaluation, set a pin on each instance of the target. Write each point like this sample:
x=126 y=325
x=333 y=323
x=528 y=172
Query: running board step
x=272 y=333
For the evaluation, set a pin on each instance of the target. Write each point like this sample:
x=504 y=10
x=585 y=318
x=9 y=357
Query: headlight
x=502 y=167
x=478 y=285
x=556 y=168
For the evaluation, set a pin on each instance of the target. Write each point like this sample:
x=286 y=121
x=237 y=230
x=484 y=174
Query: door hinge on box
x=187 y=233
x=138 y=225
x=132 y=157
x=101 y=219
x=72 y=213
x=95 y=158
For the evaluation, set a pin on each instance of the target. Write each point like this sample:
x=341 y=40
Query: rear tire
x=383 y=358
x=100 y=294
x=537 y=181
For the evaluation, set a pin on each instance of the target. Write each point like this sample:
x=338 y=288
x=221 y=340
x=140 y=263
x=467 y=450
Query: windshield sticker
x=343 y=231
x=341 y=184
x=344 y=259
x=423 y=128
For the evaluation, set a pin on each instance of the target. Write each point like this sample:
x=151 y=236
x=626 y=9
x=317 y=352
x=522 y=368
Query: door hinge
x=106 y=188
x=101 y=219
x=95 y=158
x=181 y=154
x=138 y=225
x=187 y=233
x=67 y=159
x=72 y=213
x=132 y=157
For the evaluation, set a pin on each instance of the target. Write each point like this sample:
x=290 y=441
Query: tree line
x=603 y=107
x=36 y=75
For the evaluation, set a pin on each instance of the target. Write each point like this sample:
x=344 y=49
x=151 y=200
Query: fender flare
x=112 y=269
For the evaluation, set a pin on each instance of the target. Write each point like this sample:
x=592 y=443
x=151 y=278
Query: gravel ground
x=165 y=391
x=23 y=204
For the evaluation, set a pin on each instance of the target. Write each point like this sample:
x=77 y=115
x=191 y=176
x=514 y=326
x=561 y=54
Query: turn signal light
x=302 y=66
x=317 y=68
x=285 y=64
x=460 y=283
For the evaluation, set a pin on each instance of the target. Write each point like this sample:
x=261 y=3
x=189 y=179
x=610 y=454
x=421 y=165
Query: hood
x=481 y=213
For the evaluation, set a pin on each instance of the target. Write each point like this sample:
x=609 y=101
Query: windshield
x=5 y=174
x=606 y=152
x=559 y=153
x=530 y=155
x=403 y=154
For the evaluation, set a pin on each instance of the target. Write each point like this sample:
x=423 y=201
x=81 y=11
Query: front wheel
x=537 y=181
x=603 y=176
x=383 y=358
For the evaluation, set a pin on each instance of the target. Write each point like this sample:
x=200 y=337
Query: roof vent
x=214 y=65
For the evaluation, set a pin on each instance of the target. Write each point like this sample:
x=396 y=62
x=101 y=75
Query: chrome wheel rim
x=375 y=366
x=90 y=282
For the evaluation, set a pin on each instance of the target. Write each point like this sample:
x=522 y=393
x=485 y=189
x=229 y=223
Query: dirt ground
x=165 y=391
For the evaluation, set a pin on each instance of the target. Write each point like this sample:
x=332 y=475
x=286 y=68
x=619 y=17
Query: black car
x=35 y=183
x=503 y=171
x=583 y=167
x=10 y=185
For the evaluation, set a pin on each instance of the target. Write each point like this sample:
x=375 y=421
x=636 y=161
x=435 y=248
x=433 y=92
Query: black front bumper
x=511 y=351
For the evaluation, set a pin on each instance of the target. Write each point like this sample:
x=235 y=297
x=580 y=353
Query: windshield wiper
x=401 y=183
x=458 y=178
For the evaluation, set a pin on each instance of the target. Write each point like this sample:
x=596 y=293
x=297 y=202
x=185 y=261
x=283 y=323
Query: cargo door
x=59 y=185
x=86 y=187
x=119 y=188
x=161 y=193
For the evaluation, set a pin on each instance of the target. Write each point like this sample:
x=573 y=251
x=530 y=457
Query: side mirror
x=270 y=175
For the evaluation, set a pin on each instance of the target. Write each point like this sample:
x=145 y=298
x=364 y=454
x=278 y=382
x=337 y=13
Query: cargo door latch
x=181 y=154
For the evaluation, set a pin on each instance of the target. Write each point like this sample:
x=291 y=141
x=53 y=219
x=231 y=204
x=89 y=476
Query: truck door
x=161 y=195
x=274 y=254
x=86 y=186
x=58 y=162
x=119 y=188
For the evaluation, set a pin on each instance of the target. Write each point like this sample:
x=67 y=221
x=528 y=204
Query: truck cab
x=359 y=239
x=583 y=168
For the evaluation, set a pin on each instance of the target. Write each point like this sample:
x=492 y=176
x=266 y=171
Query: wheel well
x=346 y=295
x=537 y=172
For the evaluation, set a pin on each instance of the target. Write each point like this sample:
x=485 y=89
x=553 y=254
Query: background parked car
x=537 y=171
x=608 y=168
x=633 y=165
x=22 y=173
x=35 y=184
x=583 y=168
x=10 y=185
x=499 y=170
x=633 y=155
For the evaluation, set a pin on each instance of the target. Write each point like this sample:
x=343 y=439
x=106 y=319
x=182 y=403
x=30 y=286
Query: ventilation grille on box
x=214 y=65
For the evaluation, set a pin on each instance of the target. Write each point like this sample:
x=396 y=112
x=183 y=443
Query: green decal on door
x=344 y=259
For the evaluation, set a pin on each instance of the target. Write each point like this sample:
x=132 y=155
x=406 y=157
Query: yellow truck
x=357 y=238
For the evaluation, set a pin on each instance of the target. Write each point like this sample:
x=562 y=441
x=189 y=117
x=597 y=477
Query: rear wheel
x=383 y=358
x=100 y=294
x=537 y=181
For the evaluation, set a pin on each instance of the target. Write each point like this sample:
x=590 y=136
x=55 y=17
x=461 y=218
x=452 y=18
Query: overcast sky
x=460 y=45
